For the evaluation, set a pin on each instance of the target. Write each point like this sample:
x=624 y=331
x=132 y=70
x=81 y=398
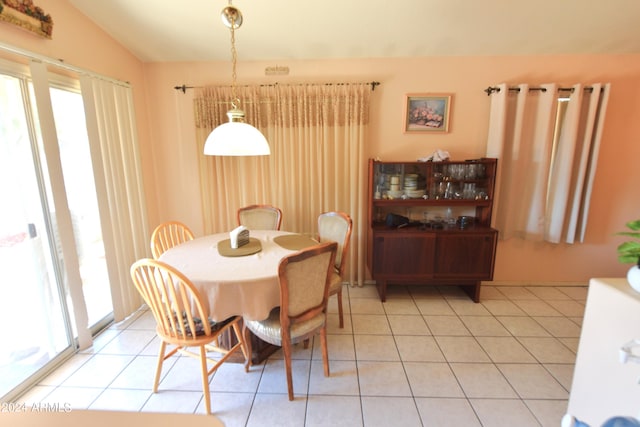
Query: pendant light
x=235 y=138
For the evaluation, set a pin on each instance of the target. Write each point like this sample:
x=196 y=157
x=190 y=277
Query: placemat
x=295 y=242
x=225 y=249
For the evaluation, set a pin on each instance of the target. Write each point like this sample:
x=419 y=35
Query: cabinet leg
x=382 y=289
x=473 y=291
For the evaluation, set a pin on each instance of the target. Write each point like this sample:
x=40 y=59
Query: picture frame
x=26 y=15
x=427 y=113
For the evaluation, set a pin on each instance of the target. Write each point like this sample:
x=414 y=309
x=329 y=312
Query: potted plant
x=629 y=252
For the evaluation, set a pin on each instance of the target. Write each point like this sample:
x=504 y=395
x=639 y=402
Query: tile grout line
x=565 y=342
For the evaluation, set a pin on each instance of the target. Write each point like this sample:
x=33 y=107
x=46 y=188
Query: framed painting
x=427 y=113
x=26 y=15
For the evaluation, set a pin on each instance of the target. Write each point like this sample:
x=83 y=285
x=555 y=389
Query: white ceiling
x=177 y=30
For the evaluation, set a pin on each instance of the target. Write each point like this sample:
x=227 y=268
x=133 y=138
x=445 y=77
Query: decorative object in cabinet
x=446 y=238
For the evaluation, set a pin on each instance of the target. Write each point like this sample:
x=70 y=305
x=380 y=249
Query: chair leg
x=286 y=349
x=340 y=313
x=325 y=350
x=156 y=378
x=241 y=339
x=247 y=342
x=205 y=380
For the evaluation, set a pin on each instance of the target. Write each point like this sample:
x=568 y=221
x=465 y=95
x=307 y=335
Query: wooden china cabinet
x=430 y=223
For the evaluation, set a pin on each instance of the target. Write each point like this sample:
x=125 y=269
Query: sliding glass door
x=33 y=304
x=36 y=307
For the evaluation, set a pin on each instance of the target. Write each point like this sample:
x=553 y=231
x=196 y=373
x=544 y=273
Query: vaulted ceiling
x=279 y=30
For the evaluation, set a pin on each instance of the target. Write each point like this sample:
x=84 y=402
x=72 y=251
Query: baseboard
x=513 y=283
x=533 y=283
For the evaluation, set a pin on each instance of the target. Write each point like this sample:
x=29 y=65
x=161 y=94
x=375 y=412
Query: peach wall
x=615 y=197
x=165 y=126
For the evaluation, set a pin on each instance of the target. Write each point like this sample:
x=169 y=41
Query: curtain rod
x=184 y=87
x=58 y=63
x=492 y=89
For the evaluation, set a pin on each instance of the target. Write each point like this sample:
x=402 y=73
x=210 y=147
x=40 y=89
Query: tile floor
x=429 y=356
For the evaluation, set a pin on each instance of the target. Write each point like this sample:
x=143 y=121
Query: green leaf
x=634 y=225
x=629 y=247
x=629 y=252
x=629 y=233
x=628 y=259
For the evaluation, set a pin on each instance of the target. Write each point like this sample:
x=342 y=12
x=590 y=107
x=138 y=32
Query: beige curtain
x=118 y=177
x=548 y=152
x=317 y=135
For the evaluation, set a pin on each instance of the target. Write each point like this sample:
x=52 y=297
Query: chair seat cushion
x=336 y=283
x=199 y=325
x=269 y=329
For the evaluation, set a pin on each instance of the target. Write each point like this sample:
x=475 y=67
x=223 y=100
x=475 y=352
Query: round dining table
x=241 y=281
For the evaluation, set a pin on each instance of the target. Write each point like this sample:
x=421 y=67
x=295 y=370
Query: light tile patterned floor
x=429 y=356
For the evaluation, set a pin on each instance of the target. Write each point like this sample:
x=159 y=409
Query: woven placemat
x=295 y=242
x=225 y=249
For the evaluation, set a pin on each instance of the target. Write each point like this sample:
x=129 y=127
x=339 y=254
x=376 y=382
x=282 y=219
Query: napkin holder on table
x=239 y=236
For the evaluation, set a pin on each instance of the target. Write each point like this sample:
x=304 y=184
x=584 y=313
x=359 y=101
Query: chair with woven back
x=182 y=320
x=336 y=227
x=304 y=291
x=167 y=235
x=260 y=217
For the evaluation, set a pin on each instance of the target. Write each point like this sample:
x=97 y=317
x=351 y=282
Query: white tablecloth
x=245 y=285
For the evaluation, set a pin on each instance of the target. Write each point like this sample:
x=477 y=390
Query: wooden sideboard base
x=471 y=289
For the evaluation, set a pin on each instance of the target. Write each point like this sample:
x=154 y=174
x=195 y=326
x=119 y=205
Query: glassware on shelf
x=469 y=191
x=471 y=171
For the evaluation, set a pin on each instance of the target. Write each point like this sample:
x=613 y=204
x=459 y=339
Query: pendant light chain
x=234 y=59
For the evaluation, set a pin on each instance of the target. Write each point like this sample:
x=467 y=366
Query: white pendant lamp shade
x=236 y=139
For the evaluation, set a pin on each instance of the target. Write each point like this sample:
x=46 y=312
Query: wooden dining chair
x=336 y=227
x=304 y=291
x=260 y=217
x=167 y=235
x=181 y=320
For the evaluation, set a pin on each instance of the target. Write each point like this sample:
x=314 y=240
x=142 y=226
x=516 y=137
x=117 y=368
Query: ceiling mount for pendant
x=231 y=16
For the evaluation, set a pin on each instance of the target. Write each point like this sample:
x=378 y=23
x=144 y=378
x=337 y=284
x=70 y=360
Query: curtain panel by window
x=118 y=174
x=548 y=157
x=317 y=135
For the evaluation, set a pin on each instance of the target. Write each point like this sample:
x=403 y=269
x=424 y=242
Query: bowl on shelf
x=395 y=194
x=415 y=194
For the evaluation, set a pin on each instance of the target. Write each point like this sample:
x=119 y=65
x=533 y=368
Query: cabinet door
x=403 y=255
x=465 y=255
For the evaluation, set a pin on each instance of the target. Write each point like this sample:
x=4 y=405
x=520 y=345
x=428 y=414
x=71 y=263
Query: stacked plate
x=411 y=181
x=411 y=186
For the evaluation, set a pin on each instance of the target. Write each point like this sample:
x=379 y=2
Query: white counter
x=603 y=386
x=77 y=418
